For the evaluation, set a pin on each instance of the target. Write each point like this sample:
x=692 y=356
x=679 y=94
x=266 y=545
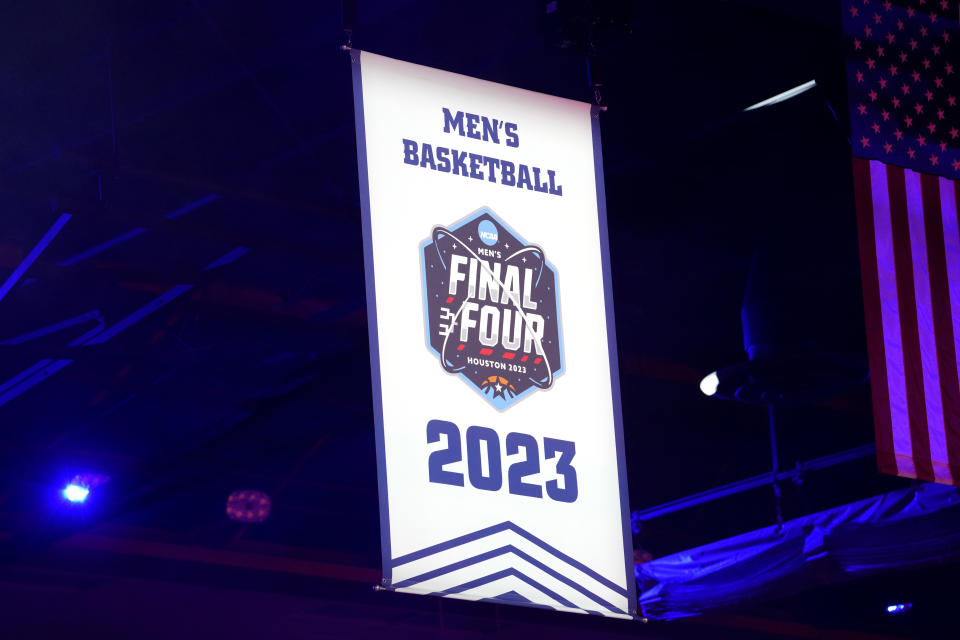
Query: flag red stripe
x=909 y=330
x=886 y=460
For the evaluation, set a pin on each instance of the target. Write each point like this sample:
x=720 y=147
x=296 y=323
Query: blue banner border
x=595 y=111
x=372 y=317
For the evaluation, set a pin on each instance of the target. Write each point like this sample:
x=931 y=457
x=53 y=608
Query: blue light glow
x=76 y=493
x=899 y=608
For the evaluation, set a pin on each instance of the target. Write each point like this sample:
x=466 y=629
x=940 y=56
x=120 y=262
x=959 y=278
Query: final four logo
x=492 y=308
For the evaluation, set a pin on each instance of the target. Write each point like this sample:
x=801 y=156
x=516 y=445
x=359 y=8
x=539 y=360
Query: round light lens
x=709 y=384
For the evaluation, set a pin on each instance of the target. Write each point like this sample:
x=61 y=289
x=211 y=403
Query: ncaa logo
x=488 y=233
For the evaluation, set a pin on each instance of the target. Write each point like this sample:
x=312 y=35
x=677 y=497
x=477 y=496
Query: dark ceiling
x=179 y=133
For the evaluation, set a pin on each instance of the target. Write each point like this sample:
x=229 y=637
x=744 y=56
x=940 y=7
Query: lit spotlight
x=899 y=608
x=709 y=384
x=82 y=484
x=76 y=493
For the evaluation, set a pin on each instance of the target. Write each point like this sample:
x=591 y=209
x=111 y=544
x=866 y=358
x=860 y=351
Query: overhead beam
x=33 y=255
x=754 y=482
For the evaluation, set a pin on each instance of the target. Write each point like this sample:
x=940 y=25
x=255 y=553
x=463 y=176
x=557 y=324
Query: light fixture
x=79 y=488
x=709 y=384
x=786 y=95
x=899 y=608
x=248 y=506
x=76 y=492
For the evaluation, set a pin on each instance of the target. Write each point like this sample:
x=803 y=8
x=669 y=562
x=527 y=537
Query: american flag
x=903 y=77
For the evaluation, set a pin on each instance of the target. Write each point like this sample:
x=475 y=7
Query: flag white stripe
x=890 y=320
x=926 y=330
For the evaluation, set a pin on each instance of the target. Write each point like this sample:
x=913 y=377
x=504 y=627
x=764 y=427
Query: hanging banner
x=492 y=344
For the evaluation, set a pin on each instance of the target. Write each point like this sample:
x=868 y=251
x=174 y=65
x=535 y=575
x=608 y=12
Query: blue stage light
x=76 y=493
x=899 y=608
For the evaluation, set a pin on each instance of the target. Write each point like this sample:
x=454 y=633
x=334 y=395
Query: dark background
x=125 y=113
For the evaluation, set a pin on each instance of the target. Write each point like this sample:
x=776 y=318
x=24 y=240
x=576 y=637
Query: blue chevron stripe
x=501 y=551
x=512 y=597
x=507 y=526
x=506 y=573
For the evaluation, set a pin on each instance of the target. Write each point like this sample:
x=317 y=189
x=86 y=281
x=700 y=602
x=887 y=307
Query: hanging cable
x=348 y=15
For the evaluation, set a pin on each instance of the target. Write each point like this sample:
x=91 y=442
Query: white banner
x=493 y=352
